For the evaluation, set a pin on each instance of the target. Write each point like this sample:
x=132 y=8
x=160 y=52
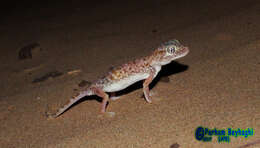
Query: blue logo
x=206 y=134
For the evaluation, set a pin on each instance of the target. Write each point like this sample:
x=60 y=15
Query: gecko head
x=170 y=51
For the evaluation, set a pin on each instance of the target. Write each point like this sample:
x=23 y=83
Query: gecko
x=118 y=78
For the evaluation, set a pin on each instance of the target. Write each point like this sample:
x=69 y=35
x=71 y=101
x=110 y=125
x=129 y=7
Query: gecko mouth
x=181 y=53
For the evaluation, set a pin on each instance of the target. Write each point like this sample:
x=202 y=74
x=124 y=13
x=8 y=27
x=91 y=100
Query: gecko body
x=119 y=78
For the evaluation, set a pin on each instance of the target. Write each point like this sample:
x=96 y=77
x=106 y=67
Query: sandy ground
x=216 y=86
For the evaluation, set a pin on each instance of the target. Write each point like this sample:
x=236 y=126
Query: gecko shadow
x=167 y=70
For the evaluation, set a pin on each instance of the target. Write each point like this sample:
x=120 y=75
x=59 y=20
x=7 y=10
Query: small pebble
x=175 y=145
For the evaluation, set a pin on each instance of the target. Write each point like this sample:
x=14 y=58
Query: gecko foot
x=49 y=116
x=152 y=96
x=107 y=114
x=155 y=96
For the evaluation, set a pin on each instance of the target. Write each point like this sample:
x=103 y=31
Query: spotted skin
x=119 y=78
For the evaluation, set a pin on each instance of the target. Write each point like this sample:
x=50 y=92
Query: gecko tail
x=72 y=100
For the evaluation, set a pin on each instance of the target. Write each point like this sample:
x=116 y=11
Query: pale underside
x=124 y=83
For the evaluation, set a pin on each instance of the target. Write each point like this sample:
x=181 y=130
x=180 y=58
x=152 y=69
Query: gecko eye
x=171 y=50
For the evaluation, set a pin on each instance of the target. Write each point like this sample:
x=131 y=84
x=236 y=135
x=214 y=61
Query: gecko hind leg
x=99 y=92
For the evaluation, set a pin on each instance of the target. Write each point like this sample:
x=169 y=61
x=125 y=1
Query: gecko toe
x=153 y=93
x=49 y=116
x=107 y=114
x=110 y=114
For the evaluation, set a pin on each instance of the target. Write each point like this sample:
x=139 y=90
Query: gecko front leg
x=146 y=83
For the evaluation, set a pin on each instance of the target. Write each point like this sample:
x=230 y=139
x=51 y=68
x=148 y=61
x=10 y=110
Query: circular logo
x=199 y=133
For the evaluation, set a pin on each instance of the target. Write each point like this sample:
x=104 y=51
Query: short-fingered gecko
x=119 y=78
